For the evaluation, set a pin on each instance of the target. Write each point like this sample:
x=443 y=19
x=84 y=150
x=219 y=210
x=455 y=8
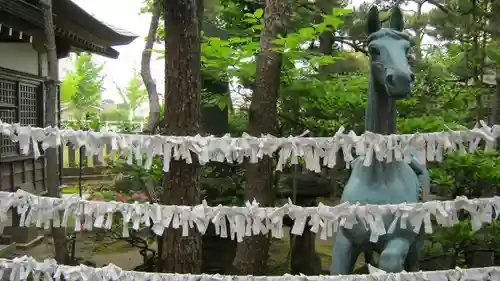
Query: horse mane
x=391 y=33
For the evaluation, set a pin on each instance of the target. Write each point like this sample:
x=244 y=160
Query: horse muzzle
x=399 y=84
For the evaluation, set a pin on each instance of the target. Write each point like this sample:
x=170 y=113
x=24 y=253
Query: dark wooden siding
x=21 y=101
x=28 y=173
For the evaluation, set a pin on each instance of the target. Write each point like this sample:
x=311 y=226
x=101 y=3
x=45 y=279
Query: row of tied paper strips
x=239 y=222
x=20 y=269
x=251 y=219
x=314 y=151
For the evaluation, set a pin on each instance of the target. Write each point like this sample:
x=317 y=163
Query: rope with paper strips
x=315 y=151
x=21 y=269
x=243 y=221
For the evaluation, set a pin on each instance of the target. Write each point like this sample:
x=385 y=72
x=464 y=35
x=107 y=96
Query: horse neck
x=380 y=118
x=380 y=114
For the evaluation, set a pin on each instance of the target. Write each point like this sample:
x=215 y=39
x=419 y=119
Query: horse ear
x=373 y=20
x=397 y=21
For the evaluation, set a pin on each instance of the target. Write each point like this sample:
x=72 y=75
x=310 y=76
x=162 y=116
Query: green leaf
x=279 y=41
x=307 y=32
x=257 y=26
x=332 y=20
x=340 y=12
x=258 y=13
x=223 y=102
x=325 y=60
x=251 y=20
x=493 y=52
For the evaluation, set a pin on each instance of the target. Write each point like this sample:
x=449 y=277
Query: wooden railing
x=76 y=163
x=114 y=126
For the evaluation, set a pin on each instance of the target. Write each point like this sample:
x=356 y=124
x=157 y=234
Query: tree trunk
x=252 y=253
x=154 y=101
x=58 y=234
x=495 y=106
x=419 y=33
x=182 y=112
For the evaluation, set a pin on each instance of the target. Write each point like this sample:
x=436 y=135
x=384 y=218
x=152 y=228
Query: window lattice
x=7 y=93
x=8 y=147
x=12 y=110
x=7 y=113
x=28 y=105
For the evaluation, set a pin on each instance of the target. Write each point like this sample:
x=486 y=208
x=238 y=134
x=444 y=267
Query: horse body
x=367 y=186
x=381 y=182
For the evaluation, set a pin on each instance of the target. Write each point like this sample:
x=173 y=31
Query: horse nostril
x=399 y=79
x=390 y=80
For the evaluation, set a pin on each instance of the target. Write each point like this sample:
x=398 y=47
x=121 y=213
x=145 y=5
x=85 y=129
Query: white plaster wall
x=21 y=57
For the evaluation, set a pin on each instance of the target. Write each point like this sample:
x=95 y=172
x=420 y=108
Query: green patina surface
x=383 y=183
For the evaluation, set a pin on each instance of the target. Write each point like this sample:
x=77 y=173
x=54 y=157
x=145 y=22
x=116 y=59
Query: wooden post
x=71 y=156
x=58 y=234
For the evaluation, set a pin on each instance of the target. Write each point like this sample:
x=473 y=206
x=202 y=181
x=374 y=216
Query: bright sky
x=125 y=14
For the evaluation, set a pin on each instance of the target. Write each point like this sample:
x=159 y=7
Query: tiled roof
x=119 y=30
x=73 y=23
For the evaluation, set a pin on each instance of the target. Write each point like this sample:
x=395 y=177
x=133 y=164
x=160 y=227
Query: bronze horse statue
x=383 y=183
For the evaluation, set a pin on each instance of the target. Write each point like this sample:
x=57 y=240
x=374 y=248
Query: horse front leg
x=393 y=257
x=413 y=257
x=344 y=256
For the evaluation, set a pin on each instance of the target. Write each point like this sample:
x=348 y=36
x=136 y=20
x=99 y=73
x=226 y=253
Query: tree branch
x=154 y=101
x=439 y=6
x=356 y=47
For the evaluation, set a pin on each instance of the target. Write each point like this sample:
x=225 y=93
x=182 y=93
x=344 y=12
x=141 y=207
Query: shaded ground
x=123 y=255
x=87 y=248
x=103 y=251
x=279 y=255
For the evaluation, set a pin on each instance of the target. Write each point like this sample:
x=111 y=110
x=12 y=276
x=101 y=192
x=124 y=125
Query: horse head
x=389 y=50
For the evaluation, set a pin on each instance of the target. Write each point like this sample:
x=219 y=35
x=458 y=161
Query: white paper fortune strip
x=315 y=151
x=19 y=269
x=243 y=221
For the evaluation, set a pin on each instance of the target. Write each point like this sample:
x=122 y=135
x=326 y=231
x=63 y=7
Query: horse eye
x=374 y=51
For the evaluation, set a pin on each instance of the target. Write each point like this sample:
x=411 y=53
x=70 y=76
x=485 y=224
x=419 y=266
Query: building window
x=8 y=114
x=18 y=104
x=28 y=105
